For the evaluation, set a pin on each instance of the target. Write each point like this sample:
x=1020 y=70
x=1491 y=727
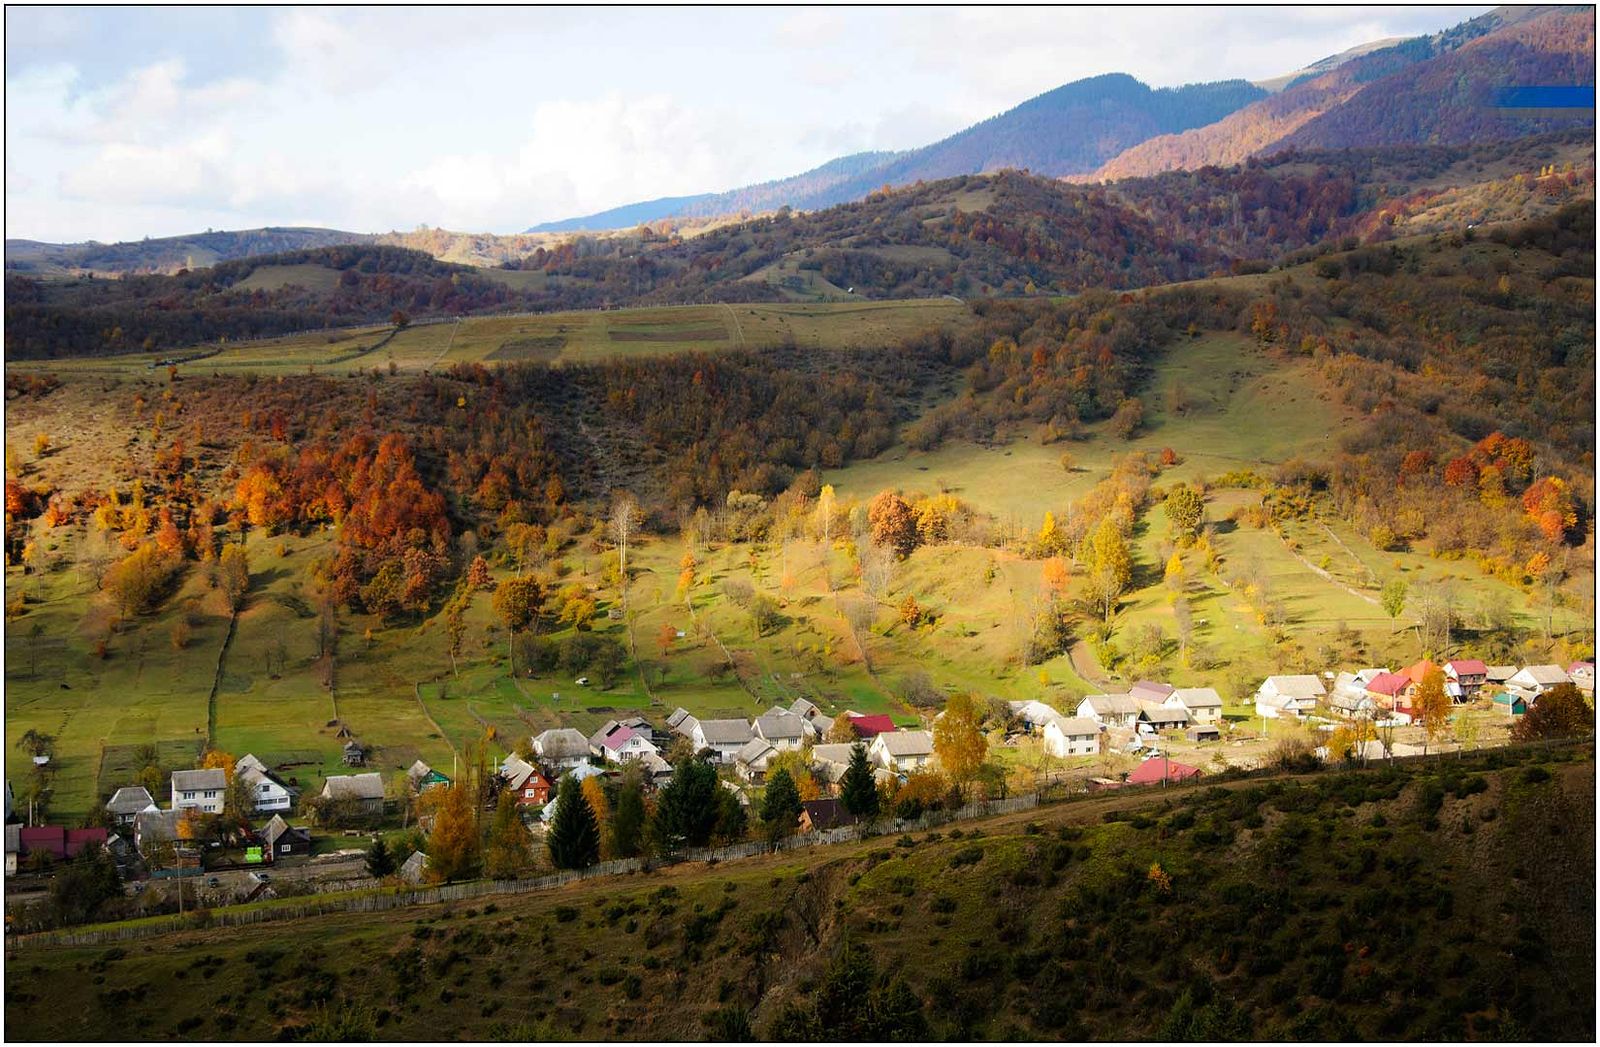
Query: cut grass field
x=565 y=337
x=1049 y=923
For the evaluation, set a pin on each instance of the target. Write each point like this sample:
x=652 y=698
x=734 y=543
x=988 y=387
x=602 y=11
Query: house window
x=188 y=795
x=211 y=794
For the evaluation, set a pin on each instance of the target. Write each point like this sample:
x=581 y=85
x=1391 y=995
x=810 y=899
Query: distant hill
x=171 y=253
x=1069 y=130
x=808 y=191
x=1430 y=90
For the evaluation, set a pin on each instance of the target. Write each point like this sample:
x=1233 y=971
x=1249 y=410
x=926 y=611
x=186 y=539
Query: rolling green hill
x=1451 y=900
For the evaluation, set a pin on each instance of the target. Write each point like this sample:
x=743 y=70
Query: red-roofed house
x=1468 y=674
x=872 y=726
x=58 y=842
x=1388 y=690
x=1582 y=674
x=1158 y=770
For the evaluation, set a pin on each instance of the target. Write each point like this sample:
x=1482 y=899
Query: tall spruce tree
x=858 y=790
x=380 y=860
x=574 y=832
x=628 y=820
x=781 y=805
x=689 y=806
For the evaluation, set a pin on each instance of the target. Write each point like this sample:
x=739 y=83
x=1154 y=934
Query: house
x=1581 y=674
x=656 y=769
x=1071 y=736
x=752 y=761
x=414 y=868
x=822 y=815
x=1155 y=717
x=58 y=842
x=1158 y=770
x=1288 y=696
x=1110 y=710
x=363 y=790
x=901 y=751
x=354 y=754
x=126 y=803
x=782 y=729
x=1348 y=696
x=561 y=749
x=1391 y=691
x=267 y=791
x=1510 y=703
x=830 y=760
x=1203 y=704
x=202 y=790
x=1150 y=691
x=1203 y=732
x=283 y=841
x=619 y=743
x=1035 y=715
x=808 y=711
x=1533 y=680
x=680 y=722
x=1500 y=674
x=1468 y=674
x=723 y=738
x=869 y=727
x=151 y=827
x=525 y=781
x=422 y=777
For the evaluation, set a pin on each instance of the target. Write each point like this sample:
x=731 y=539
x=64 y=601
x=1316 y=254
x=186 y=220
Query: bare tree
x=877 y=568
x=859 y=615
x=624 y=521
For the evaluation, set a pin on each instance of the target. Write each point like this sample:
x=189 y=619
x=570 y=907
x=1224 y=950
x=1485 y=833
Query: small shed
x=354 y=754
x=1203 y=732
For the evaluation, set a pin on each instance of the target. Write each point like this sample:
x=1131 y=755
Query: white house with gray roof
x=1110 y=710
x=561 y=749
x=724 y=738
x=1288 y=696
x=1203 y=704
x=782 y=729
x=126 y=803
x=204 y=790
x=901 y=751
x=1071 y=736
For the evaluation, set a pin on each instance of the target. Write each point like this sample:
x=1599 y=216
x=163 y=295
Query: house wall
x=207 y=800
x=1061 y=745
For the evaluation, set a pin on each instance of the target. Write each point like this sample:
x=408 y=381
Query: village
x=237 y=830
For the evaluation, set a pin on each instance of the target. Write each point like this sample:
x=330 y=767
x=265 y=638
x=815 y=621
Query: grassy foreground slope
x=1452 y=900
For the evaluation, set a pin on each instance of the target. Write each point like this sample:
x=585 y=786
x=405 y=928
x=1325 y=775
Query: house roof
x=367 y=786
x=1198 y=697
x=780 y=723
x=1467 y=667
x=906 y=743
x=156 y=824
x=278 y=827
x=1112 y=704
x=1501 y=673
x=725 y=732
x=1150 y=689
x=805 y=709
x=516 y=771
x=1300 y=685
x=873 y=725
x=1545 y=675
x=620 y=736
x=248 y=762
x=418 y=770
x=1389 y=684
x=679 y=715
x=1197 y=729
x=655 y=763
x=1076 y=726
x=561 y=743
x=1507 y=698
x=57 y=840
x=194 y=781
x=832 y=752
x=1417 y=670
x=130 y=799
x=1155 y=768
x=754 y=750
x=1154 y=712
x=1580 y=667
x=827 y=814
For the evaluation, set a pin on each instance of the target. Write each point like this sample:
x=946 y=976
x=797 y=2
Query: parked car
x=212 y=881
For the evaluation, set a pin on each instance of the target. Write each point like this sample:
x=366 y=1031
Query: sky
x=127 y=122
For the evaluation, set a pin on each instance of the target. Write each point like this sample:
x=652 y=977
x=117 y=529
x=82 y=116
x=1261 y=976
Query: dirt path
x=216 y=681
x=1084 y=663
x=1330 y=579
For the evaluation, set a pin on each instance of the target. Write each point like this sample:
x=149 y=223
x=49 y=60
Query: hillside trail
x=1085 y=664
x=216 y=681
x=1330 y=579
